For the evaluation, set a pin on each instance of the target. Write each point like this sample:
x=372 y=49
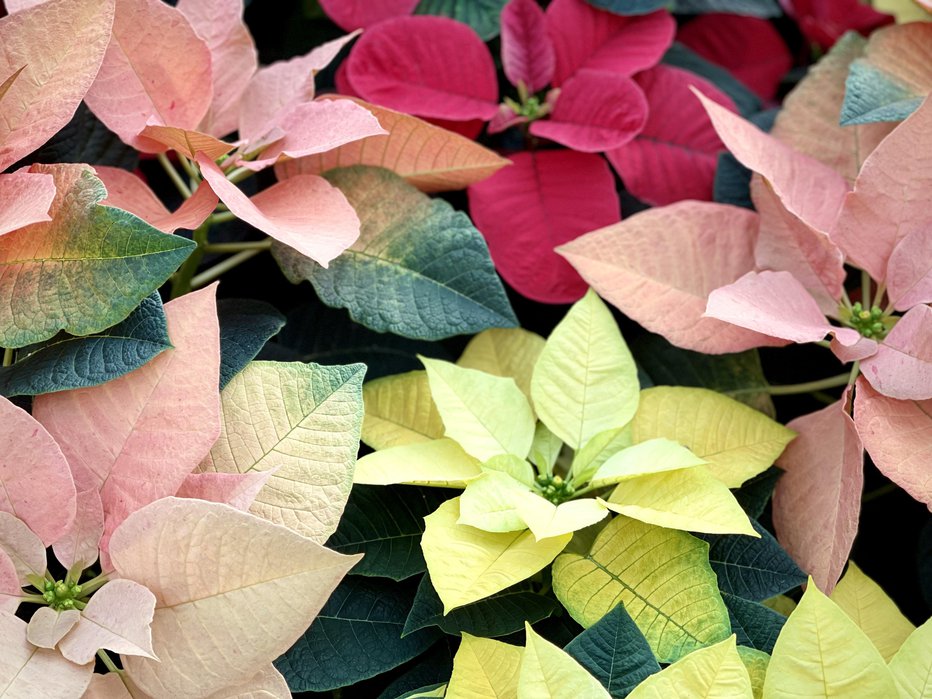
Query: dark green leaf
x=317 y=333
x=85 y=139
x=432 y=668
x=753 y=8
x=498 y=615
x=736 y=375
x=70 y=362
x=753 y=495
x=632 y=7
x=245 y=326
x=680 y=56
x=754 y=569
x=357 y=635
x=755 y=625
x=419 y=269
x=615 y=651
x=874 y=95
x=386 y=524
x=481 y=15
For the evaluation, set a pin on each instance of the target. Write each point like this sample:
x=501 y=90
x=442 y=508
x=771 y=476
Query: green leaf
x=245 y=326
x=726 y=373
x=488 y=415
x=753 y=8
x=85 y=270
x=756 y=662
x=598 y=450
x=756 y=626
x=481 y=15
x=386 y=523
x=498 y=615
x=737 y=442
x=430 y=669
x=302 y=420
x=754 y=569
x=716 y=672
x=872 y=94
x=357 y=635
x=821 y=652
x=754 y=495
x=468 y=564
x=549 y=671
x=485 y=669
x=663 y=578
x=400 y=410
x=631 y=7
x=912 y=664
x=615 y=651
x=419 y=268
x=79 y=362
x=585 y=381
x=545 y=449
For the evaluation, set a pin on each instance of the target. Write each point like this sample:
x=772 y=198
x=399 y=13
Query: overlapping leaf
x=418 y=269
x=663 y=578
x=304 y=421
x=56 y=273
x=715 y=672
x=245 y=326
x=484 y=669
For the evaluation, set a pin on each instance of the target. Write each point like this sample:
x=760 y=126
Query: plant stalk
x=8 y=356
x=173 y=175
x=182 y=280
x=208 y=275
x=239 y=247
x=795 y=388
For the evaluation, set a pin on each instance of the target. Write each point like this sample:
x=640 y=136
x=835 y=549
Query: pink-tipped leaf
x=153 y=45
x=128 y=192
x=25 y=198
x=675 y=155
x=356 y=14
x=59 y=47
x=238 y=490
x=304 y=212
x=891 y=195
x=526 y=210
x=427 y=66
x=35 y=480
x=527 y=53
x=233 y=58
x=139 y=436
x=276 y=88
x=585 y=37
x=817 y=500
x=810 y=190
x=902 y=366
x=317 y=127
x=898 y=436
x=775 y=303
x=660 y=265
x=596 y=111
x=188 y=142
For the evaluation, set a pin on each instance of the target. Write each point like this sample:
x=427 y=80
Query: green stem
x=823 y=343
x=174 y=176
x=34 y=599
x=844 y=298
x=108 y=663
x=208 y=275
x=865 y=290
x=239 y=174
x=222 y=217
x=8 y=354
x=853 y=374
x=189 y=168
x=794 y=388
x=94 y=584
x=881 y=290
x=182 y=280
x=239 y=247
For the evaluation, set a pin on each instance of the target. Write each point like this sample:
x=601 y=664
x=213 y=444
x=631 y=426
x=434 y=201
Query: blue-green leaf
x=498 y=615
x=615 y=651
x=386 y=523
x=357 y=635
x=632 y=7
x=481 y=15
x=755 y=625
x=753 y=495
x=754 y=569
x=874 y=95
x=419 y=269
x=753 y=8
x=68 y=362
x=430 y=669
x=245 y=326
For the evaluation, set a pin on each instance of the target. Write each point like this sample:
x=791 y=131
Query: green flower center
x=61 y=595
x=870 y=323
x=554 y=488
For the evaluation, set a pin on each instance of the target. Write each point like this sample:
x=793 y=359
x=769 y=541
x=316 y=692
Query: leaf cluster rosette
x=206 y=573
